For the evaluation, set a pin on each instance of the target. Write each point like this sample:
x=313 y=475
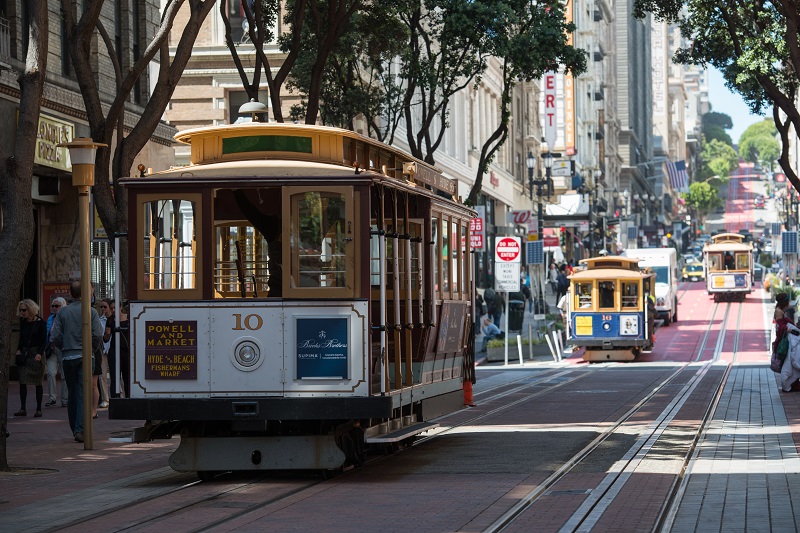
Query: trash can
x=516 y=311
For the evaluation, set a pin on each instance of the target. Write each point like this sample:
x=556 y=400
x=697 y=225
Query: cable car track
x=592 y=509
x=548 y=380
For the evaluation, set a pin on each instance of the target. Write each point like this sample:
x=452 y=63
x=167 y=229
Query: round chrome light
x=247 y=354
x=606 y=326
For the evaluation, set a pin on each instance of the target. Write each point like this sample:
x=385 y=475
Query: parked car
x=760 y=223
x=693 y=272
x=689 y=259
x=758 y=202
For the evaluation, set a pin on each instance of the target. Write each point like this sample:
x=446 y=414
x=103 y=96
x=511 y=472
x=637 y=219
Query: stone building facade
x=56 y=254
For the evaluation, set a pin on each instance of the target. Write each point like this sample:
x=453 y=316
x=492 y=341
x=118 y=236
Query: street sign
x=535 y=252
x=533 y=230
x=476 y=233
x=508 y=250
x=506 y=277
x=550 y=111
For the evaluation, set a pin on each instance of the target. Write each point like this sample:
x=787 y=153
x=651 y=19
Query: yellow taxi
x=693 y=272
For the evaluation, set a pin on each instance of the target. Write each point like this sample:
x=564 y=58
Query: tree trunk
x=16 y=176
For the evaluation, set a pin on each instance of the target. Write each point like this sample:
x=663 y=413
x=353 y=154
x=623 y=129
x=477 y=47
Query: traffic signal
x=562 y=236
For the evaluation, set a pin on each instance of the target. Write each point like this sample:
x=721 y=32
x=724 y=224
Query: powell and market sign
x=49 y=134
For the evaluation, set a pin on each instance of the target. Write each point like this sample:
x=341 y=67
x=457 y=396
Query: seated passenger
x=490 y=332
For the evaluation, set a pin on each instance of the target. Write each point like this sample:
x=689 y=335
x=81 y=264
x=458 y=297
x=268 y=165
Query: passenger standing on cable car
x=729 y=265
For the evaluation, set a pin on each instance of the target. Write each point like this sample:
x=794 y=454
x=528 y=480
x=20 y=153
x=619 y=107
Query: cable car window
x=242 y=262
x=583 y=295
x=445 y=255
x=742 y=261
x=170 y=245
x=455 y=240
x=465 y=259
x=436 y=254
x=729 y=264
x=606 y=290
x=318 y=240
x=630 y=294
x=714 y=261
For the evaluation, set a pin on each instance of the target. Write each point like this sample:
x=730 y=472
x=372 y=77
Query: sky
x=724 y=101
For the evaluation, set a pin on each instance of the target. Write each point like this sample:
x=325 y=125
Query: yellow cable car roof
x=728 y=246
x=611 y=267
x=610 y=274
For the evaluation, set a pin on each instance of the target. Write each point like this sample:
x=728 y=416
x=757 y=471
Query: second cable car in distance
x=608 y=312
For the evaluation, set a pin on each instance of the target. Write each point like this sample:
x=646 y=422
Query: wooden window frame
x=194 y=293
x=352 y=264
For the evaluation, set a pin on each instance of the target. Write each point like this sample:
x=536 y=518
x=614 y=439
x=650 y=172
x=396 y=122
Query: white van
x=664 y=262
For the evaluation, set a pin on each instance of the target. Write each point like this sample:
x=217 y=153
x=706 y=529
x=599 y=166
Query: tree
x=758 y=143
x=719 y=159
x=358 y=79
x=703 y=198
x=110 y=198
x=528 y=39
x=717 y=134
x=16 y=176
x=719 y=120
x=714 y=126
x=755 y=46
x=261 y=19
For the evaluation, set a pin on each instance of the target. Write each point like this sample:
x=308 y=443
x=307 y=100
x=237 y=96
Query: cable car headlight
x=247 y=354
x=606 y=326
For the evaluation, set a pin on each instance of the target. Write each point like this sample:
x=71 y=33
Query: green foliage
x=512 y=342
x=719 y=159
x=758 y=143
x=765 y=260
x=718 y=120
x=703 y=197
x=716 y=133
x=714 y=126
x=781 y=287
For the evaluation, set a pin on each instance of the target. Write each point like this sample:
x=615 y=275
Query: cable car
x=608 y=312
x=729 y=266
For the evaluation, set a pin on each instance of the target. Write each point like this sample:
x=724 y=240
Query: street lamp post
x=82 y=153
x=539 y=183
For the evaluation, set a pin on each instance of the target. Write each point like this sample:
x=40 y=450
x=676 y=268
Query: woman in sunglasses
x=32 y=335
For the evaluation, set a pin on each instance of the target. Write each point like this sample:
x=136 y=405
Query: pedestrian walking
x=30 y=355
x=552 y=277
x=499 y=308
x=106 y=313
x=562 y=283
x=53 y=358
x=67 y=336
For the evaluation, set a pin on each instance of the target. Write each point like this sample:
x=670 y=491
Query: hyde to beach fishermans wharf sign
x=171 y=350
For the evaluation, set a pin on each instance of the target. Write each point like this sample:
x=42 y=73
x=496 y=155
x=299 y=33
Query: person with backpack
x=526 y=293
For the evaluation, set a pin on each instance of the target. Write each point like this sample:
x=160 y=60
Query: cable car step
x=401 y=434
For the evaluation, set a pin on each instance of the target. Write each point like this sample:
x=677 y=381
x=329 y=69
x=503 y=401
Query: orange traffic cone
x=468 y=394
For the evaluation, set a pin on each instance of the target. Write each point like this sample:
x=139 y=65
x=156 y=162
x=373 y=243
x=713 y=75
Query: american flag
x=678 y=178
